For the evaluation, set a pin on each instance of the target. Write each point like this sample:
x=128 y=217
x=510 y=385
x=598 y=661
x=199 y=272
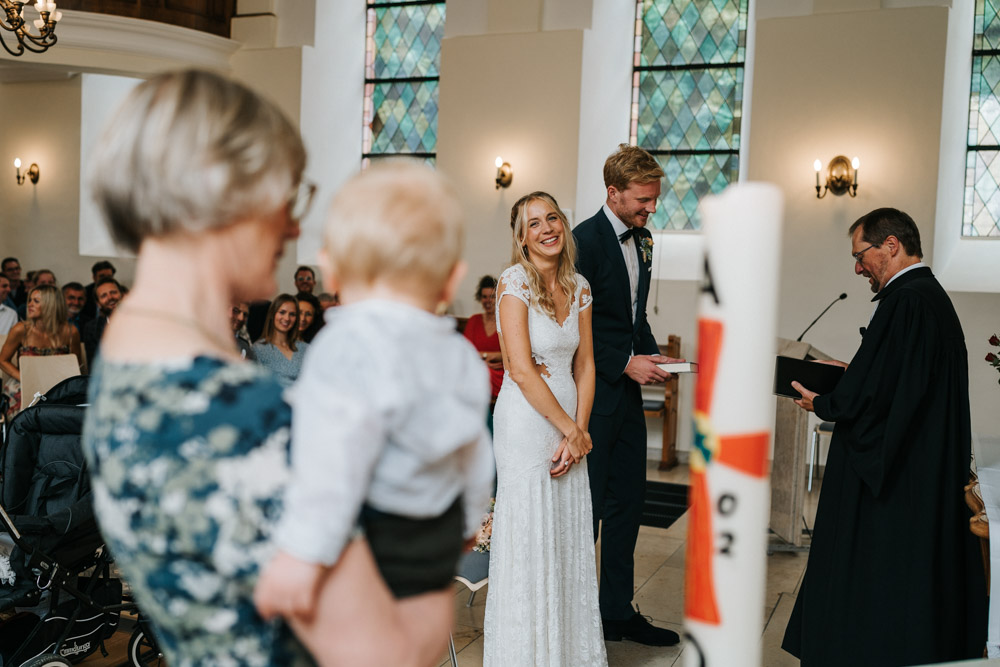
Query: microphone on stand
x=839 y=298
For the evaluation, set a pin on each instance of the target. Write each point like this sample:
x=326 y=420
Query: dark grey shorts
x=415 y=556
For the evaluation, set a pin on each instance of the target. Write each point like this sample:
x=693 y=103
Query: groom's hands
x=643 y=369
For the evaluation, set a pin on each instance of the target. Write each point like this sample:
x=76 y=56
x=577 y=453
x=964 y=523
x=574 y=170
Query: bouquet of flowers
x=485 y=530
x=992 y=358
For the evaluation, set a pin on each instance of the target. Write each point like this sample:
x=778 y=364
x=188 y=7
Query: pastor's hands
x=806 y=402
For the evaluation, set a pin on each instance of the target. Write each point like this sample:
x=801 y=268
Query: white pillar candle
x=734 y=417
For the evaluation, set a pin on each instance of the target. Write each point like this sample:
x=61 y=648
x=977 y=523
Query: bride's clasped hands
x=574 y=446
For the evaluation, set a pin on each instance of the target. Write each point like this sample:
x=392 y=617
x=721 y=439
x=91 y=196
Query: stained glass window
x=402 y=66
x=687 y=97
x=981 y=216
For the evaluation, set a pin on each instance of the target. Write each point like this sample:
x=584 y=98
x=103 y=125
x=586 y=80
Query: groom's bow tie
x=629 y=233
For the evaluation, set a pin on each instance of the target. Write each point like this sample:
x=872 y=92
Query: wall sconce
x=32 y=172
x=504 y=173
x=841 y=177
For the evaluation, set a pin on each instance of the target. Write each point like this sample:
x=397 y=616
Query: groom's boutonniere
x=646 y=246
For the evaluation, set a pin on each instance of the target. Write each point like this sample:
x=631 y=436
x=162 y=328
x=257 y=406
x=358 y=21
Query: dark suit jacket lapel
x=613 y=250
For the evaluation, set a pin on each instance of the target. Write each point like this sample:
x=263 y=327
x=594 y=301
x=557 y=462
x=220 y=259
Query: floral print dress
x=188 y=463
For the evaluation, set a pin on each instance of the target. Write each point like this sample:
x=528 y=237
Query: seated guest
x=279 y=348
x=481 y=330
x=310 y=316
x=36 y=278
x=45 y=277
x=18 y=293
x=108 y=293
x=327 y=300
x=46 y=332
x=102 y=269
x=8 y=316
x=305 y=280
x=75 y=297
x=237 y=320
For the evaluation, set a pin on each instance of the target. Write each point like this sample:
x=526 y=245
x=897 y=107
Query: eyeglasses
x=300 y=201
x=857 y=255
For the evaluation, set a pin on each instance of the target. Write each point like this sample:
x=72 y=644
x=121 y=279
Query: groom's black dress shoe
x=639 y=630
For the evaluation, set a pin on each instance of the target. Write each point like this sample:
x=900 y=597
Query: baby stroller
x=55 y=572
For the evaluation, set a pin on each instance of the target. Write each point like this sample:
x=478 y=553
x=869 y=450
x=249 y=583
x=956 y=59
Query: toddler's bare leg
x=427 y=619
x=357 y=621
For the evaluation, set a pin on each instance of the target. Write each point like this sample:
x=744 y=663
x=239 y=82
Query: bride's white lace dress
x=542 y=605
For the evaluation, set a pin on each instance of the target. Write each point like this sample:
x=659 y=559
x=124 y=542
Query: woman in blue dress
x=280 y=348
x=187 y=444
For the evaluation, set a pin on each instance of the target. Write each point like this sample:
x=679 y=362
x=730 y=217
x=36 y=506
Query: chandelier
x=15 y=22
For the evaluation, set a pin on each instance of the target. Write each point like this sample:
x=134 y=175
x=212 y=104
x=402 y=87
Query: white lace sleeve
x=583 y=287
x=515 y=283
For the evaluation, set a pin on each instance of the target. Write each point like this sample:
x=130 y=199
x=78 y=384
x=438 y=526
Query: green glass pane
x=982 y=194
x=408 y=40
x=984 y=102
x=405 y=117
x=692 y=32
x=987 y=25
x=690 y=109
x=688 y=179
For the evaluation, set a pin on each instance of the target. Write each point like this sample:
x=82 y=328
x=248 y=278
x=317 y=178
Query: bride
x=542 y=607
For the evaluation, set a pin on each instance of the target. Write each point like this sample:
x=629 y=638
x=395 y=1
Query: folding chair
x=39 y=374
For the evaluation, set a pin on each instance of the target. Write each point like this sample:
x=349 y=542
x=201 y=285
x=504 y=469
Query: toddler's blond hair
x=400 y=222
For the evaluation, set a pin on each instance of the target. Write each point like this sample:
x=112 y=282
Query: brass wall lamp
x=505 y=175
x=841 y=177
x=33 y=173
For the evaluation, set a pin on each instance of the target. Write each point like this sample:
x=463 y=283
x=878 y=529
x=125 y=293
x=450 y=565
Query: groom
x=615 y=253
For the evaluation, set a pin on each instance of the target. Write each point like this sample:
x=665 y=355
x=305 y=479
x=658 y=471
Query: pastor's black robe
x=894 y=576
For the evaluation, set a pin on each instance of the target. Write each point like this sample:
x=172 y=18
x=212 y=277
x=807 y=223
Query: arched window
x=402 y=68
x=687 y=98
x=981 y=214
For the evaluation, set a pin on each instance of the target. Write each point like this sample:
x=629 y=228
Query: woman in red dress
x=481 y=330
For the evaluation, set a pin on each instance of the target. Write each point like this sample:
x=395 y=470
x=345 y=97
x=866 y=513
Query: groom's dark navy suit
x=617 y=462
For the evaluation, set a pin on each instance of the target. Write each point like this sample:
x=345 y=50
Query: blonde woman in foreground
x=187 y=444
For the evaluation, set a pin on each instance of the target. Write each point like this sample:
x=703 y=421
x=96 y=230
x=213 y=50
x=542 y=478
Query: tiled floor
x=659 y=584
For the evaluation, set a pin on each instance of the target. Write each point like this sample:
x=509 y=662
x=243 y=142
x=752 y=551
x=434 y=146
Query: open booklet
x=679 y=367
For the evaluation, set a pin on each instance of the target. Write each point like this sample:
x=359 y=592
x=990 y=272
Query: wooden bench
x=667 y=408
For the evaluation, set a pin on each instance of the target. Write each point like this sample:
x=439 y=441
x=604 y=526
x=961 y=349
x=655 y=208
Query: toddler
x=389 y=441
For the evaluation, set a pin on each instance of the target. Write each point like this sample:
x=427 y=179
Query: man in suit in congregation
x=615 y=253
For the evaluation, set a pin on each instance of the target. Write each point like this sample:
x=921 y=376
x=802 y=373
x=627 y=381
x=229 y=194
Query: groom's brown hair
x=630 y=164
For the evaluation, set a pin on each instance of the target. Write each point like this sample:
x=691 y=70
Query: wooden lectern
x=788 y=467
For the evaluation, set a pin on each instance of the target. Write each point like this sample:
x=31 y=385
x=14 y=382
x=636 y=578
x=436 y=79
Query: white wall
x=331 y=98
x=100 y=95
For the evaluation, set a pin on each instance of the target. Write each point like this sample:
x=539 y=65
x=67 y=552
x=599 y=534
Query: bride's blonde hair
x=566 y=270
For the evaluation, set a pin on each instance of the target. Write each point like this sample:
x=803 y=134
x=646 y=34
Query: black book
x=821 y=378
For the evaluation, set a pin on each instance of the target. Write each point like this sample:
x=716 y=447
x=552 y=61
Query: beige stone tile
x=678 y=529
x=657 y=541
x=773 y=655
x=470 y=656
x=470 y=616
x=784 y=571
x=662 y=596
